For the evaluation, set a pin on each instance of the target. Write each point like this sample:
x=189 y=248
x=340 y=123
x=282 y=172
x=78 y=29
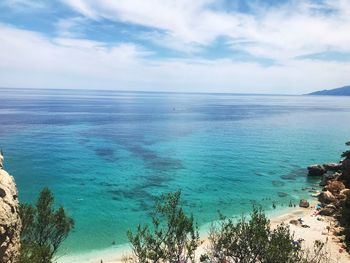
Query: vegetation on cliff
x=43 y=229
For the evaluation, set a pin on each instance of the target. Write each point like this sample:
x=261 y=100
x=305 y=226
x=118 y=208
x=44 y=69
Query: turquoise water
x=106 y=155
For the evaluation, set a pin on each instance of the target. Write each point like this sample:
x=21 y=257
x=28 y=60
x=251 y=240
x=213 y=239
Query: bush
x=43 y=229
x=252 y=241
x=173 y=236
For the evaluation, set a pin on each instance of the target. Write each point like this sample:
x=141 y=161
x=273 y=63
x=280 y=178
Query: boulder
x=328 y=210
x=327 y=177
x=345 y=192
x=10 y=223
x=326 y=197
x=335 y=187
x=332 y=166
x=304 y=203
x=331 y=206
x=316 y=170
x=341 y=197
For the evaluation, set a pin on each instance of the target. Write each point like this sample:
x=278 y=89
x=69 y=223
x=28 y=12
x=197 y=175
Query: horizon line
x=151 y=91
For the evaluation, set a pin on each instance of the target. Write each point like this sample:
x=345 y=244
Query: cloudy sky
x=256 y=46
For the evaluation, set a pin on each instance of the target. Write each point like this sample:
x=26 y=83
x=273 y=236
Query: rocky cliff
x=10 y=223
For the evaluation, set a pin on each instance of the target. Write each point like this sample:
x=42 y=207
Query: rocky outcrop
x=328 y=210
x=316 y=170
x=328 y=177
x=334 y=167
x=10 y=223
x=335 y=195
x=326 y=197
x=304 y=203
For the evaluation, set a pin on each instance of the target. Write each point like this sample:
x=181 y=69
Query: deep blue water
x=106 y=155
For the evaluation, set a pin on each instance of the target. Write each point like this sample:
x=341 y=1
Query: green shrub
x=173 y=236
x=253 y=240
x=43 y=229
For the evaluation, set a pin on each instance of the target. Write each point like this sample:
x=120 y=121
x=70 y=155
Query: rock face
x=10 y=223
x=326 y=197
x=327 y=177
x=316 y=170
x=332 y=166
x=328 y=210
x=345 y=192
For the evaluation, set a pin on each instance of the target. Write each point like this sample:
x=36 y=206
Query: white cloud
x=185 y=21
x=29 y=59
x=70 y=27
x=294 y=29
x=24 y=5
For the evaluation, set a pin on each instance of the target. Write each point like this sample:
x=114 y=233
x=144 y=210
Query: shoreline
x=316 y=231
x=320 y=228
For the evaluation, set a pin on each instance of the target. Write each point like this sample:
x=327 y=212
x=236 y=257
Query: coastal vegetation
x=44 y=228
x=251 y=240
x=254 y=240
x=173 y=236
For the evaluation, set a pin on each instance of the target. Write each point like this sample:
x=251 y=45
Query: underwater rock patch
x=277 y=183
x=282 y=194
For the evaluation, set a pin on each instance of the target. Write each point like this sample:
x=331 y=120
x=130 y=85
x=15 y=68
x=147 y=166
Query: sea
x=107 y=155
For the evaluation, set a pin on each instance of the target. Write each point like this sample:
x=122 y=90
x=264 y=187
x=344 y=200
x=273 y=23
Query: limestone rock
x=326 y=197
x=327 y=177
x=10 y=223
x=304 y=203
x=316 y=170
x=332 y=166
x=335 y=187
x=328 y=210
x=345 y=192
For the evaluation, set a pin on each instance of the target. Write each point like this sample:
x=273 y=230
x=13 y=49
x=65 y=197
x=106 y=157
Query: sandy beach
x=318 y=228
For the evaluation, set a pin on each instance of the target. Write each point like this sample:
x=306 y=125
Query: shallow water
x=106 y=155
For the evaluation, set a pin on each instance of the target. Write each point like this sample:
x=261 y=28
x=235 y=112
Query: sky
x=239 y=46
